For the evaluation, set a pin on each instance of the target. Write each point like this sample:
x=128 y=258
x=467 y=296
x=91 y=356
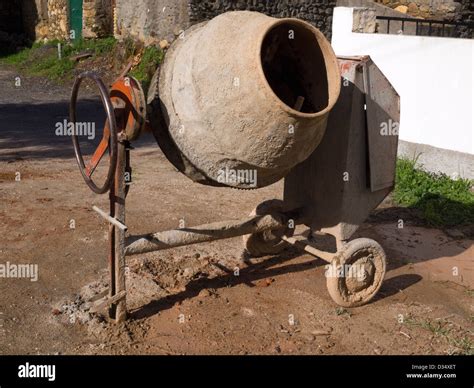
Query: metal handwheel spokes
x=109 y=136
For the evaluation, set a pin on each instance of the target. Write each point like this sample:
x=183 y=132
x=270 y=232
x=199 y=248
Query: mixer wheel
x=268 y=242
x=356 y=273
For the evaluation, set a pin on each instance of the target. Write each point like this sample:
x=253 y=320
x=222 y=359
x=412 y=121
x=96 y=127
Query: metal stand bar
x=102 y=304
x=120 y=308
x=305 y=246
x=106 y=217
x=203 y=233
x=112 y=259
x=117 y=290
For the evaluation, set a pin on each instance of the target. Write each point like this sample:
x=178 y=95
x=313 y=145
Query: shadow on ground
x=269 y=268
x=28 y=131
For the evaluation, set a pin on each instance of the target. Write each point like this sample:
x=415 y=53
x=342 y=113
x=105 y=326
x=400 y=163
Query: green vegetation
x=440 y=328
x=52 y=67
x=436 y=327
x=442 y=201
x=152 y=57
x=342 y=311
x=42 y=58
x=95 y=46
x=17 y=58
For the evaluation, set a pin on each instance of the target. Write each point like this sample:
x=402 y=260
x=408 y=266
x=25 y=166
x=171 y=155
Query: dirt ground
x=188 y=300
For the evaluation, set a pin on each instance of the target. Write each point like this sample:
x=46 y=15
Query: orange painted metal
x=99 y=152
x=129 y=105
x=127 y=93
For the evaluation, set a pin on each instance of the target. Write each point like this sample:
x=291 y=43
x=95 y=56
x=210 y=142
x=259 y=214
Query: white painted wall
x=433 y=76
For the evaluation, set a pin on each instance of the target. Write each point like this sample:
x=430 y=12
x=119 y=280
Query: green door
x=75 y=17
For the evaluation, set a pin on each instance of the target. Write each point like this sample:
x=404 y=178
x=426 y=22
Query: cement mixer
x=243 y=101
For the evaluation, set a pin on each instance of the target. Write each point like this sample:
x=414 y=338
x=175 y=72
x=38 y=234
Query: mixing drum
x=243 y=96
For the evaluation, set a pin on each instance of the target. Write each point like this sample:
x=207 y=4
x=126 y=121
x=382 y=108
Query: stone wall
x=30 y=20
x=428 y=9
x=466 y=15
x=57 y=24
x=457 y=11
x=52 y=20
x=33 y=12
x=382 y=10
x=316 y=12
x=153 y=20
x=97 y=18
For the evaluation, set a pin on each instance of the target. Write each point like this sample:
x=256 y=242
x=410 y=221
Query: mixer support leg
x=118 y=310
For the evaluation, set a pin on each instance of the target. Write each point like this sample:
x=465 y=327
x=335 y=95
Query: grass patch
x=464 y=343
x=342 y=311
x=438 y=328
x=96 y=46
x=17 y=58
x=52 y=67
x=143 y=72
x=442 y=201
x=42 y=58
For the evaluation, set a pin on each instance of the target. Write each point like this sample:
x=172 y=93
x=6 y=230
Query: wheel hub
x=361 y=275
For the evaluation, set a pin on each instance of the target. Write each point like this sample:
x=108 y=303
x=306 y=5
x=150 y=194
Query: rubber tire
x=337 y=286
